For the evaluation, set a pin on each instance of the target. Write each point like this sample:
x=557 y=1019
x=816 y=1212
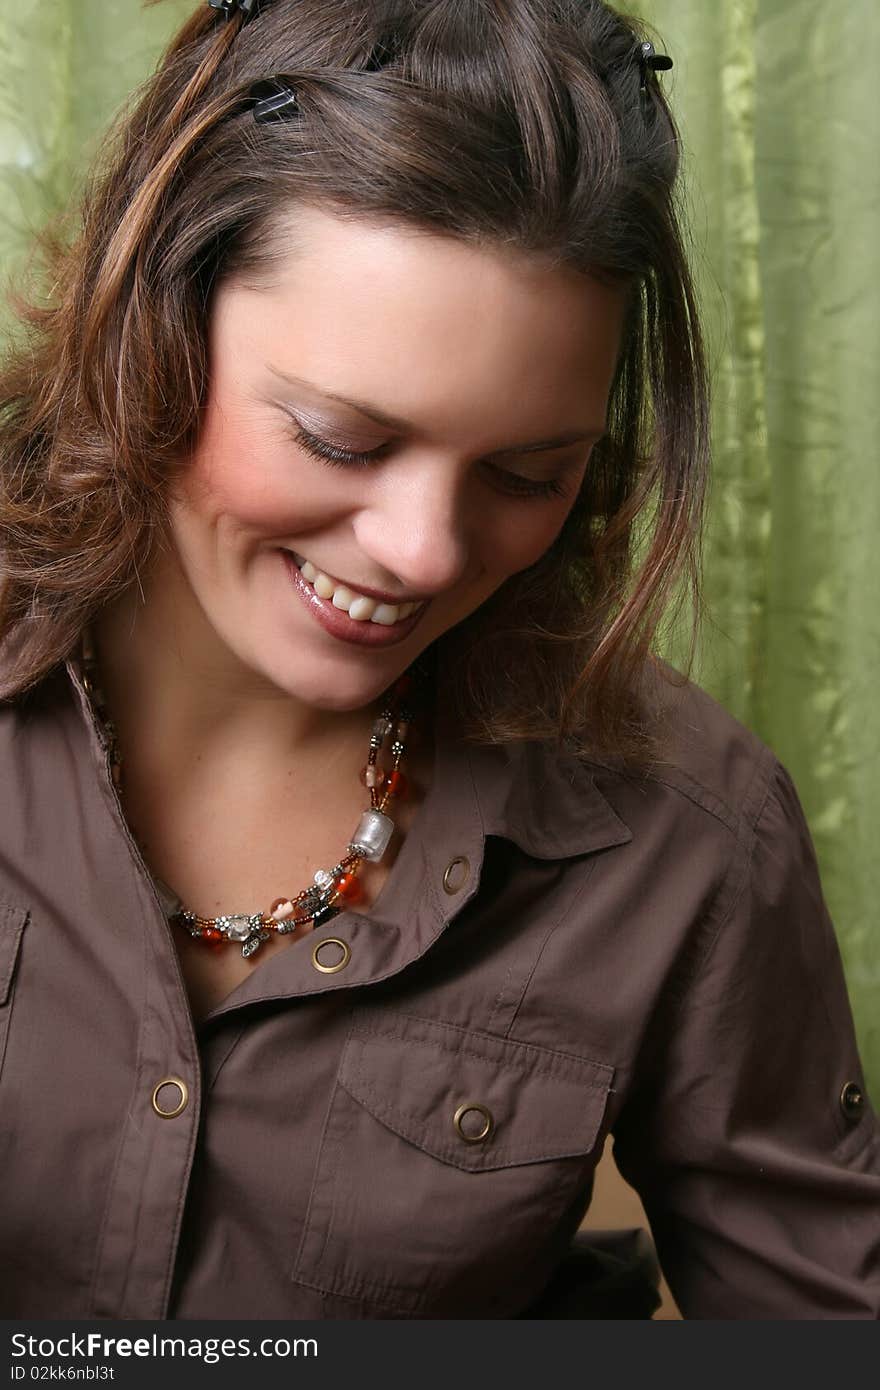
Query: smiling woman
x=343 y=487
x=568 y=195
x=447 y=477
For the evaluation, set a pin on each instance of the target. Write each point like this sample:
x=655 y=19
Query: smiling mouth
x=359 y=607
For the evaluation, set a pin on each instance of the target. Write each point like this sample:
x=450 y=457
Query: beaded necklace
x=332 y=889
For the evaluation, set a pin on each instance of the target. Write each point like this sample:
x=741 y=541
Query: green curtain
x=779 y=118
x=777 y=105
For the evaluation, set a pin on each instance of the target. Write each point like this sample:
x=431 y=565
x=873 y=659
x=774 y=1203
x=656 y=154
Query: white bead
x=373 y=834
x=238 y=926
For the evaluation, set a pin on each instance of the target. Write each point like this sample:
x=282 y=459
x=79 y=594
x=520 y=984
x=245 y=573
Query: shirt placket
x=435 y=875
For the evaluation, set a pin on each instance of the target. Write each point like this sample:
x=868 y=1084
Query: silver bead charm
x=310 y=900
x=238 y=926
x=373 y=834
x=254 y=942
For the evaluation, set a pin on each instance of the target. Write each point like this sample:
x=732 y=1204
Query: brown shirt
x=407 y=1125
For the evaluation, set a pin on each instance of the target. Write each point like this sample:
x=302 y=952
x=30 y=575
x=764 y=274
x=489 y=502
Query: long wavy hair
x=525 y=124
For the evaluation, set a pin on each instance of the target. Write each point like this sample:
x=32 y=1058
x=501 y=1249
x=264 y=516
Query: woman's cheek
x=252 y=481
x=529 y=536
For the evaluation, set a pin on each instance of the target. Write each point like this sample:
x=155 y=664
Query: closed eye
x=511 y=483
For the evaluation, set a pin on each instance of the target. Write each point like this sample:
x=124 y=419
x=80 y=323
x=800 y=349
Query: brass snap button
x=473 y=1122
x=319 y=949
x=852 y=1100
x=456 y=875
x=176 y=1103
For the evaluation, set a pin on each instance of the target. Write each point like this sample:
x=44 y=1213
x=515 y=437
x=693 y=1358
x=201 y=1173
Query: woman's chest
x=214 y=873
x=397 y=1166
x=212 y=970
x=407 y=1147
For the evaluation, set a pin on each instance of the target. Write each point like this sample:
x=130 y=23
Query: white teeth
x=357 y=606
x=343 y=598
x=362 y=608
x=386 y=614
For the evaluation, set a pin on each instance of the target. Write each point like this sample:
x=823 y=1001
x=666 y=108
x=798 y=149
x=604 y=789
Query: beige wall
x=615 y=1204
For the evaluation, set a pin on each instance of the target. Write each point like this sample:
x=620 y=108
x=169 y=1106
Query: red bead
x=396 y=784
x=349 y=888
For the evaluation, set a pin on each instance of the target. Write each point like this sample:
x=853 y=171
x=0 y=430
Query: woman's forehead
x=357 y=306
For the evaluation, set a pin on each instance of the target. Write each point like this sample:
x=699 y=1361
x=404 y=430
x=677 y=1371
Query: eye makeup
x=396 y=425
x=512 y=483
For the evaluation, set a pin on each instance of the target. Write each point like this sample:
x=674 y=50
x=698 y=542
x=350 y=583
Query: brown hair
x=511 y=123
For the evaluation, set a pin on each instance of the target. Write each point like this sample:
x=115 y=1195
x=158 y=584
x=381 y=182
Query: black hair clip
x=274 y=100
x=247 y=7
x=657 y=62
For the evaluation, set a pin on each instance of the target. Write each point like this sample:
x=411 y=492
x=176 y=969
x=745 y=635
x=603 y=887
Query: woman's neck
x=181 y=702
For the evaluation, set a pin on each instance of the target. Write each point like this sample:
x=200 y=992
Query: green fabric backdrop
x=777 y=104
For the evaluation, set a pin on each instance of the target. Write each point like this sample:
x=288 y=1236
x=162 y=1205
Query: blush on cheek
x=238 y=483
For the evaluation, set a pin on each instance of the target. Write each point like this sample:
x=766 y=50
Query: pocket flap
x=415 y=1075
x=12 y=924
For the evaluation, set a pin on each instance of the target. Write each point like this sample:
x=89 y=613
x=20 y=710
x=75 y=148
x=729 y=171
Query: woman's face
x=476 y=384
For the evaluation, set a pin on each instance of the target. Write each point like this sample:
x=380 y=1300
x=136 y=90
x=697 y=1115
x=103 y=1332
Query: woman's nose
x=419 y=537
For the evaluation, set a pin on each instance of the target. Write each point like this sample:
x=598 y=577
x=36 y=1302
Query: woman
x=321 y=483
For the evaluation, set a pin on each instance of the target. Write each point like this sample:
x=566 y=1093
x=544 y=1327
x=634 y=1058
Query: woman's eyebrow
x=394 y=422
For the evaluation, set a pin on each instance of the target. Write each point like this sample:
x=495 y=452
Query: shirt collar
x=548 y=805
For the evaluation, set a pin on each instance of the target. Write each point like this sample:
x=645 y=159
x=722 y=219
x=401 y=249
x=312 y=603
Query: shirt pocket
x=12 y=925
x=449 y=1162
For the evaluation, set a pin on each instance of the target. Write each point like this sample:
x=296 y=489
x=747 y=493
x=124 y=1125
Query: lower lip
x=337 y=622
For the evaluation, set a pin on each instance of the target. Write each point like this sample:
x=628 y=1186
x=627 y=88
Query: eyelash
x=341 y=458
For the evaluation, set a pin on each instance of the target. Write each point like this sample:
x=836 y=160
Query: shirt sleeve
x=751 y=1140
